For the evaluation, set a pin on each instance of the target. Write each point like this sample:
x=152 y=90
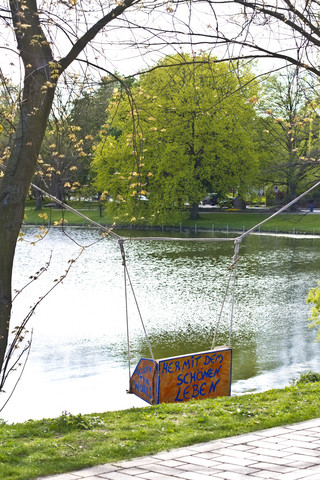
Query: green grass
x=52 y=215
x=72 y=442
x=285 y=222
x=222 y=221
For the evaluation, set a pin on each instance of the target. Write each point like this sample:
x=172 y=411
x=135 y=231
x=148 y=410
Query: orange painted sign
x=143 y=380
x=186 y=377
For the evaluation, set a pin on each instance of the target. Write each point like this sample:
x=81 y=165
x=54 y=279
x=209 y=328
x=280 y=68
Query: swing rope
x=126 y=275
x=236 y=258
x=233 y=267
x=221 y=311
x=126 y=306
x=73 y=210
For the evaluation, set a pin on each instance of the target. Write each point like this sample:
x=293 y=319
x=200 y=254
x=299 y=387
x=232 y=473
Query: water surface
x=79 y=356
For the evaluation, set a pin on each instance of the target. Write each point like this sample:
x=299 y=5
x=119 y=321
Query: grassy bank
x=308 y=223
x=72 y=442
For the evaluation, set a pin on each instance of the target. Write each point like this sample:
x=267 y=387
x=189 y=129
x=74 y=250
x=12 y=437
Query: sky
x=116 y=50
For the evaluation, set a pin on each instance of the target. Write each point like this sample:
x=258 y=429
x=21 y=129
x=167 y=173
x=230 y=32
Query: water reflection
x=78 y=360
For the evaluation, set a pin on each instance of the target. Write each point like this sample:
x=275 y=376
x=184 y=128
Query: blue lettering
x=180 y=379
x=221 y=358
x=213 y=359
x=164 y=367
x=186 y=363
x=167 y=367
x=186 y=392
x=213 y=386
x=146 y=369
x=177 y=364
x=208 y=373
x=195 y=391
x=202 y=393
x=177 y=399
x=197 y=360
x=199 y=375
x=207 y=360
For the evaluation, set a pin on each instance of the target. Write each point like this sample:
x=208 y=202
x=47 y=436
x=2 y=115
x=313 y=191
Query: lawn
x=213 y=221
x=71 y=442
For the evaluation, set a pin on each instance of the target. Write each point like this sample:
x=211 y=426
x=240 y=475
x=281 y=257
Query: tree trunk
x=14 y=186
x=38 y=196
x=41 y=75
x=194 y=212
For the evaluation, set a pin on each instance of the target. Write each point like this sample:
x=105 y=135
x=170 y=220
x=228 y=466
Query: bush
x=307 y=377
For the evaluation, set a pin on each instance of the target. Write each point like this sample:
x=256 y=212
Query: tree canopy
x=289 y=113
x=184 y=131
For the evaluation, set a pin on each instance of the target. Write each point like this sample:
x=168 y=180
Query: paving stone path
x=287 y=453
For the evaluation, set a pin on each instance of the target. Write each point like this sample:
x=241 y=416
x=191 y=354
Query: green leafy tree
x=186 y=130
x=290 y=132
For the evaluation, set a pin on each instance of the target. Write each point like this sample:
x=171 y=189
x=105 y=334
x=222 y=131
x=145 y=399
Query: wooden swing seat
x=186 y=377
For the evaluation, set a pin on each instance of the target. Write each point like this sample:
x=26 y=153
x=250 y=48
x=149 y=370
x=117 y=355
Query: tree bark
x=38 y=93
x=194 y=212
x=14 y=188
x=41 y=76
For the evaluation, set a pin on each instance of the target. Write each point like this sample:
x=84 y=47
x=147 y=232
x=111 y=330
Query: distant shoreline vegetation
x=226 y=221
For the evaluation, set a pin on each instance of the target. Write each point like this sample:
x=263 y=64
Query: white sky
x=114 y=50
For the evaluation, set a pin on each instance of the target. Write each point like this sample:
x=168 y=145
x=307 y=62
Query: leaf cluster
x=185 y=129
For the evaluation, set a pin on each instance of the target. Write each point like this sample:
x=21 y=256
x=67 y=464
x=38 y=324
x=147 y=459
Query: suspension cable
x=233 y=267
x=236 y=258
x=126 y=306
x=121 y=245
x=73 y=210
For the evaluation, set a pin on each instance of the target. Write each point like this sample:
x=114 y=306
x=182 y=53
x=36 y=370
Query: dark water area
x=79 y=356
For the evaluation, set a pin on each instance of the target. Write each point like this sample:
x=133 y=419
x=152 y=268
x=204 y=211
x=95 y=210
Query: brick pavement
x=287 y=453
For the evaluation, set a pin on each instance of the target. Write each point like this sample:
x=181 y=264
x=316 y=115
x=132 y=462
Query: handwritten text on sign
x=195 y=376
x=142 y=382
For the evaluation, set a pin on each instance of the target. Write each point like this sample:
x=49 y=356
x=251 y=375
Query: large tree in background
x=290 y=132
x=190 y=129
x=45 y=39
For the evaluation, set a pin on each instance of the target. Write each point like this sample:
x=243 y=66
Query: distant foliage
x=186 y=128
x=314 y=298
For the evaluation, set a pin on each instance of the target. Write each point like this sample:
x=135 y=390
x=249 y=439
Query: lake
x=78 y=361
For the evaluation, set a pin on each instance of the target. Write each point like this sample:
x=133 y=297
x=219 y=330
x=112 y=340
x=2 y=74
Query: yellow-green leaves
x=186 y=127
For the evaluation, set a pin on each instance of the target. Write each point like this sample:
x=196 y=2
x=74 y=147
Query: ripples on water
x=78 y=360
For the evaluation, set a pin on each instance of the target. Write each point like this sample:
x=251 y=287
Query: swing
x=193 y=376
x=196 y=375
x=181 y=378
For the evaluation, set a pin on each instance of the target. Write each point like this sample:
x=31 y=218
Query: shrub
x=307 y=377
